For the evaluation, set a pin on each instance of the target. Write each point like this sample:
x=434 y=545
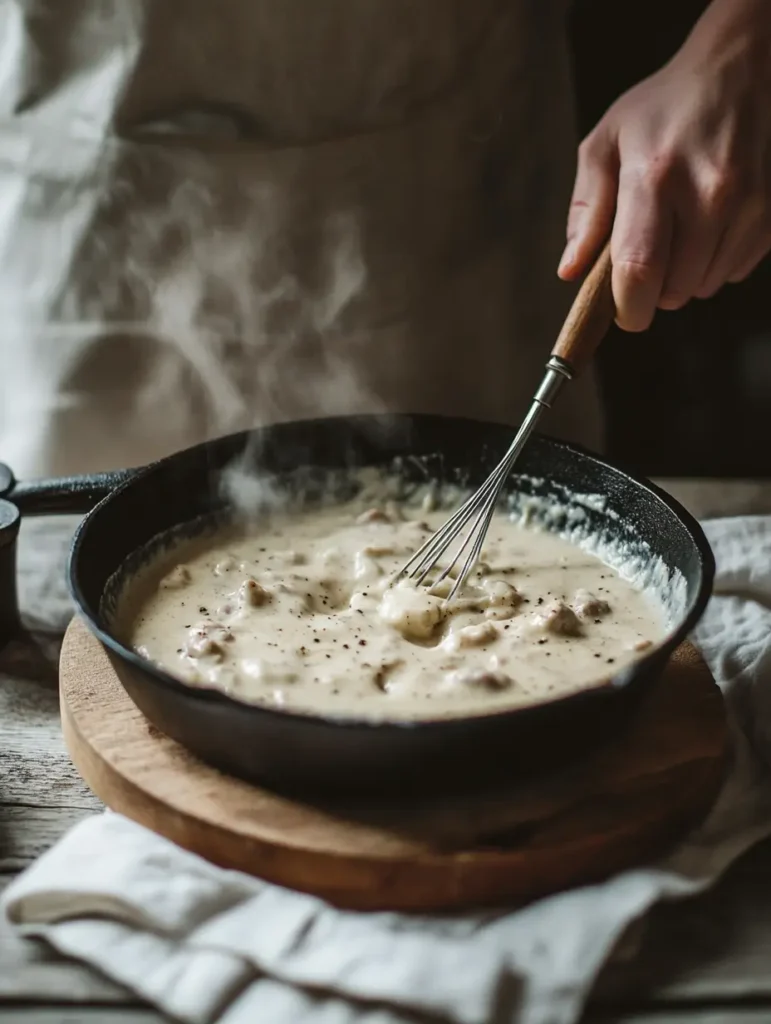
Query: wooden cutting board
x=626 y=803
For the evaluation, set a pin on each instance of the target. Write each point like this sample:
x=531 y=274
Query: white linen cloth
x=207 y=945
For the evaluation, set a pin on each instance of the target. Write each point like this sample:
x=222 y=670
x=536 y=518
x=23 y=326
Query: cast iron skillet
x=323 y=753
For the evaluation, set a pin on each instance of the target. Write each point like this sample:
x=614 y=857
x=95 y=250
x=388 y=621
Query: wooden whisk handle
x=590 y=317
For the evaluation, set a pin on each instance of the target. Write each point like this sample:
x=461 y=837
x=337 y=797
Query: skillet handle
x=590 y=317
x=68 y=495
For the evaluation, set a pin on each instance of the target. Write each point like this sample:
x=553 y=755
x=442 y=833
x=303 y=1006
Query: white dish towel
x=206 y=945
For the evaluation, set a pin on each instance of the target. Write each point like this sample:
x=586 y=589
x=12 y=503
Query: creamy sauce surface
x=300 y=615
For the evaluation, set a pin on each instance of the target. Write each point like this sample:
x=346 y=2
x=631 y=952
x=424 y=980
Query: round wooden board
x=626 y=803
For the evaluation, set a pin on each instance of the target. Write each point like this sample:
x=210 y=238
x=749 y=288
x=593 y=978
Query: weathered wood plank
x=35 y=769
x=27 y=831
x=41 y=794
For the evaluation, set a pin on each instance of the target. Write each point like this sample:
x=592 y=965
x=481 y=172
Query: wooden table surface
x=704 y=961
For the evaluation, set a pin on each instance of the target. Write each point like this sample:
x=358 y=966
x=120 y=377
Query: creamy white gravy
x=300 y=615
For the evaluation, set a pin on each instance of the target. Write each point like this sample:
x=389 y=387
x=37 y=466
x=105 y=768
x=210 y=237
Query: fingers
x=640 y=246
x=694 y=243
x=593 y=203
x=675 y=239
x=683 y=225
x=705 y=201
x=741 y=241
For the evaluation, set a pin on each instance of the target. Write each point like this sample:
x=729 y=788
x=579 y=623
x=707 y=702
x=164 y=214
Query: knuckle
x=581 y=213
x=655 y=172
x=591 y=149
x=721 y=188
x=635 y=269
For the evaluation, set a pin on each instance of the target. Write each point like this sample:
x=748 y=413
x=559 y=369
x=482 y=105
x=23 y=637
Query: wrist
x=731 y=30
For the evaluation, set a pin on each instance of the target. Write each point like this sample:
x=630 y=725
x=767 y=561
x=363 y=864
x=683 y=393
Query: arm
x=680 y=169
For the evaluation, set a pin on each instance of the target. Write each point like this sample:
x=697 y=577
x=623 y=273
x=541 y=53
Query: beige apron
x=216 y=214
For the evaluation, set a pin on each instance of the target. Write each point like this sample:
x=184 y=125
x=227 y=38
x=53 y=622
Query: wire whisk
x=587 y=323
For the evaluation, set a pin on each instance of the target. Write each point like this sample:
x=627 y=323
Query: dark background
x=692 y=396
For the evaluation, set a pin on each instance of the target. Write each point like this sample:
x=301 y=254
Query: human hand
x=682 y=159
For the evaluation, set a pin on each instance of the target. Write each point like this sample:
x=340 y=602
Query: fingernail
x=567 y=257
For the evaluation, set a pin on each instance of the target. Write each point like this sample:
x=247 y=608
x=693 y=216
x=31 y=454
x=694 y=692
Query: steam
x=261 y=343
x=206 y=308
x=231 y=305
x=263 y=346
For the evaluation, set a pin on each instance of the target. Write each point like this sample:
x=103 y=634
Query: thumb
x=593 y=204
